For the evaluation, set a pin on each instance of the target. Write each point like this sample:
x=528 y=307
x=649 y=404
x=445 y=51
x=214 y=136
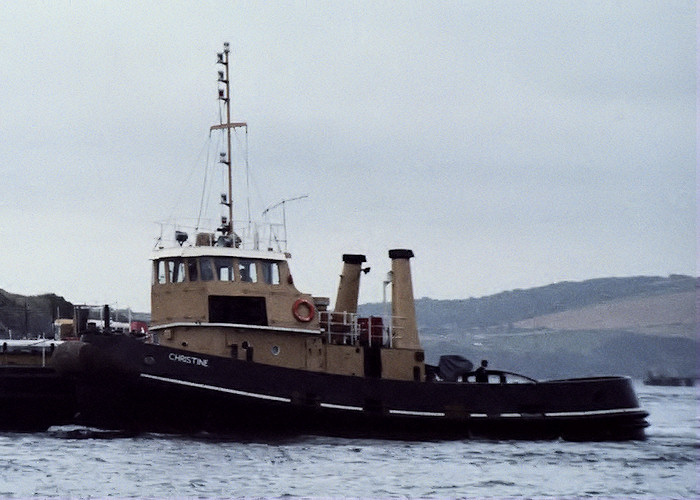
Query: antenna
x=284 y=214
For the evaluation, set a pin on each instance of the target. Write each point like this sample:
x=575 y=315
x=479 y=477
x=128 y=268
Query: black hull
x=123 y=383
x=34 y=399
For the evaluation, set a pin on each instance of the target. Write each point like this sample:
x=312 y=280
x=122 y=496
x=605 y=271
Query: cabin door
x=373 y=361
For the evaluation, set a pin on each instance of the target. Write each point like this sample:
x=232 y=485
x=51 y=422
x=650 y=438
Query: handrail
x=251 y=234
x=352 y=329
x=38 y=345
x=502 y=375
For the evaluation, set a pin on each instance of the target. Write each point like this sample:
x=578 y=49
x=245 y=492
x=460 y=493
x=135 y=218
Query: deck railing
x=352 y=329
x=249 y=235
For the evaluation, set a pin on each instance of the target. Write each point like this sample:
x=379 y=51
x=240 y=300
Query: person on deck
x=480 y=375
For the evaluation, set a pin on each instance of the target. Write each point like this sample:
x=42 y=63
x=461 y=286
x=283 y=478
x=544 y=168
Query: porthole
x=275 y=350
x=149 y=360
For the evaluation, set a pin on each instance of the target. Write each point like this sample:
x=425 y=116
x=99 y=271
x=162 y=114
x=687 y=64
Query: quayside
x=234 y=347
x=33 y=396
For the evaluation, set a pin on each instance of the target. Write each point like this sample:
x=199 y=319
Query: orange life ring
x=308 y=305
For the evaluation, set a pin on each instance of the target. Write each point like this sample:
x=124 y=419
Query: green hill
x=31 y=316
x=601 y=326
x=517 y=305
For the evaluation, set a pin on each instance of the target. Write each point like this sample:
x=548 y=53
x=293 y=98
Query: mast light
x=225 y=96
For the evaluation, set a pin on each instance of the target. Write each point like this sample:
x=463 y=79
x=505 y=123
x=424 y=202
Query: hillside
x=671 y=314
x=34 y=315
x=602 y=326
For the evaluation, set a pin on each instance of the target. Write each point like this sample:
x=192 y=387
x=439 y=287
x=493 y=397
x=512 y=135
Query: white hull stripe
x=418 y=413
x=267 y=397
x=341 y=407
x=592 y=412
x=216 y=388
x=234 y=325
x=588 y=413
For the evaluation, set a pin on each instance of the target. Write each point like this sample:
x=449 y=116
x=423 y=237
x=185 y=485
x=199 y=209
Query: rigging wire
x=221 y=112
x=204 y=185
x=243 y=146
x=178 y=199
x=208 y=184
x=247 y=177
x=221 y=176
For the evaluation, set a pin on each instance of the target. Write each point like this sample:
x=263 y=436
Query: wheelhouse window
x=161 y=275
x=192 y=269
x=206 y=269
x=224 y=268
x=247 y=271
x=271 y=273
x=176 y=268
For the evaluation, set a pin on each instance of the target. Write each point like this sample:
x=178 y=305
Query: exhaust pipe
x=403 y=308
x=349 y=286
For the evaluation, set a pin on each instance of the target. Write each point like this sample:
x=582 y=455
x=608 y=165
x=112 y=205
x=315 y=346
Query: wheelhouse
x=209 y=284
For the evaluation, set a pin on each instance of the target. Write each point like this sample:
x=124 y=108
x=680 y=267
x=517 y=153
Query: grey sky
x=509 y=144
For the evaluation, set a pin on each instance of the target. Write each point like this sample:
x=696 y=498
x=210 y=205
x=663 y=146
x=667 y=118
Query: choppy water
x=78 y=462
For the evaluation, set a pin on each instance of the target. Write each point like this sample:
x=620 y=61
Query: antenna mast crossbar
x=229 y=126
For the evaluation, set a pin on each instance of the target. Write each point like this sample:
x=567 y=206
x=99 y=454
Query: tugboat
x=235 y=348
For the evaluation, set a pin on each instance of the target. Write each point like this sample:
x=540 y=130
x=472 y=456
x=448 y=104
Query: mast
x=225 y=97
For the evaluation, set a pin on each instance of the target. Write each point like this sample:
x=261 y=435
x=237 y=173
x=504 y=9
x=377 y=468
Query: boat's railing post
x=386 y=329
x=395 y=331
x=341 y=324
x=353 y=326
x=369 y=331
x=390 y=330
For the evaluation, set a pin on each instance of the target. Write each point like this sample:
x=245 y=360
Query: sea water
x=80 y=462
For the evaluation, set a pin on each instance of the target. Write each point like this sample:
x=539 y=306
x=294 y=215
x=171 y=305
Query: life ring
x=303 y=318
